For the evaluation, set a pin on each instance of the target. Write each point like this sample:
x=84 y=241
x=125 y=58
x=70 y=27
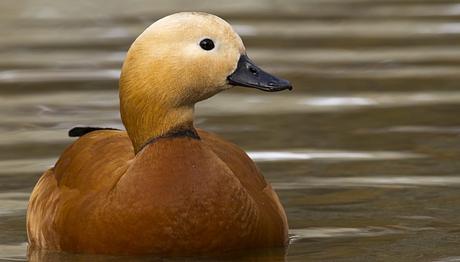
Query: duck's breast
x=179 y=191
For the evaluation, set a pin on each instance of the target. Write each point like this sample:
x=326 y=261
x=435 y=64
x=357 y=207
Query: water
x=364 y=153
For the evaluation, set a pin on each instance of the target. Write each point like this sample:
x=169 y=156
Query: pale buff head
x=167 y=61
x=168 y=69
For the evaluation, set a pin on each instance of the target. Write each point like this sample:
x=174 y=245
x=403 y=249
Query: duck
x=163 y=186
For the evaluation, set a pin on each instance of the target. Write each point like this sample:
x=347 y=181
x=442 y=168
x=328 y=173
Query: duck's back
x=177 y=196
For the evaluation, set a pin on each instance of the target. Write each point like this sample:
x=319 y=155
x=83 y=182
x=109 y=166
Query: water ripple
x=13 y=252
x=363 y=181
x=21 y=166
x=415 y=129
x=46 y=75
x=293 y=155
x=448 y=259
x=333 y=232
x=13 y=202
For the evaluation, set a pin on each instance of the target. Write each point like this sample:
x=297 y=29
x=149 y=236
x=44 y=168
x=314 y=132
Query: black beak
x=249 y=75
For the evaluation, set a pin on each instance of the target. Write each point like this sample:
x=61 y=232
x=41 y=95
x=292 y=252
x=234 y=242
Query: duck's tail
x=83 y=130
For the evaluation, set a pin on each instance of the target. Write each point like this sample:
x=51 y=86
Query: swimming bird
x=163 y=186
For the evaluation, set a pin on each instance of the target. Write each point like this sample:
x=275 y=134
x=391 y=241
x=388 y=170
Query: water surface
x=364 y=153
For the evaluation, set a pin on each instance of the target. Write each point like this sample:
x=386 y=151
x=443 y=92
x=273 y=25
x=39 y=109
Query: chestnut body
x=178 y=195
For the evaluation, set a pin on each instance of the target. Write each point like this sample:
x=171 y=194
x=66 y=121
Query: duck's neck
x=152 y=102
x=146 y=122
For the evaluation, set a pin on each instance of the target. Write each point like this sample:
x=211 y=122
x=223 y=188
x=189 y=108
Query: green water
x=364 y=153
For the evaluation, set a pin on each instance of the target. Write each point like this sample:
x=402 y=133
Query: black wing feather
x=83 y=130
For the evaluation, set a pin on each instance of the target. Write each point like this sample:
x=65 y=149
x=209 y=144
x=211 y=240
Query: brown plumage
x=155 y=189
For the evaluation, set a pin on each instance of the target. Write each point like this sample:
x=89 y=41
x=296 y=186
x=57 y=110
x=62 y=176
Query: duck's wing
x=253 y=181
x=68 y=192
x=236 y=159
x=96 y=159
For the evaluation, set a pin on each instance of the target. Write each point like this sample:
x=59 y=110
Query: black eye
x=207 y=44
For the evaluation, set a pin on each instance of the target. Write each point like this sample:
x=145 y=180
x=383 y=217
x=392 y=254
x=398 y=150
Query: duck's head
x=178 y=61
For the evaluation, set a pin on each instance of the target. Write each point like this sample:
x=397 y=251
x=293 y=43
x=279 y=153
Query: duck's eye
x=207 y=44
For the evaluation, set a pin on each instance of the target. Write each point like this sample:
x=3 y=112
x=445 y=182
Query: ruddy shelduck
x=163 y=186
